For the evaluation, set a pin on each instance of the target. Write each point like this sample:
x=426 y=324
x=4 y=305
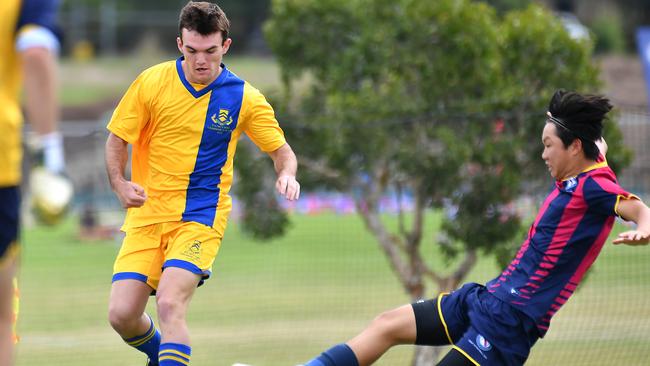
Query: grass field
x=280 y=303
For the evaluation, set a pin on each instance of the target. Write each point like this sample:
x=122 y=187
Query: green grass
x=280 y=303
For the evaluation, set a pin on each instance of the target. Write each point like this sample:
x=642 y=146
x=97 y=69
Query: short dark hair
x=578 y=116
x=203 y=17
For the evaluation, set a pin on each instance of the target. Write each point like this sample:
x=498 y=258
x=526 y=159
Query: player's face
x=558 y=158
x=203 y=55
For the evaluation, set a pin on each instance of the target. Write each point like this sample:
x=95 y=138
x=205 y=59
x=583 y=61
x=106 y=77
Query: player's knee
x=122 y=318
x=388 y=326
x=169 y=308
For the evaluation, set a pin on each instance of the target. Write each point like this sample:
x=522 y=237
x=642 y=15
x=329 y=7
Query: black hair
x=578 y=116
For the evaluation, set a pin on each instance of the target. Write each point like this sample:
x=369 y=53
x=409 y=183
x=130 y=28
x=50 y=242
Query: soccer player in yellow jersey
x=28 y=45
x=183 y=119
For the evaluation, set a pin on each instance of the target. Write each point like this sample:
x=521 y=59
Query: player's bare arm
x=40 y=89
x=51 y=191
x=130 y=194
x=286 y=165
x=638 y=212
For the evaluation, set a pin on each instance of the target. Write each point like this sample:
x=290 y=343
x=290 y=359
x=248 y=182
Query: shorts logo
x=482 y=343
x=193 y=251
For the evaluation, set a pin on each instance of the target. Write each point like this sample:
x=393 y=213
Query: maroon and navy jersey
x=566 y=237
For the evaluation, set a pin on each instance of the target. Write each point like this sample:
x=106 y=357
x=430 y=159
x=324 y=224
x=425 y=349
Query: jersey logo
x=221 y=123
x=571 y=184
x=224 y=118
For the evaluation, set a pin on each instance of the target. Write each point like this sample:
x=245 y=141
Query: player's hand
x=130 y=194
x=288 y=187
x=633 y=237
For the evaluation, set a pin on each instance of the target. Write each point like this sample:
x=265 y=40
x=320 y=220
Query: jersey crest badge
x=222 y=123
x=571 y=184
x=224 y=119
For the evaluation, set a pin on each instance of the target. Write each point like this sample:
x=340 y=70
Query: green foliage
x=539 y=57
x=503 y=6
x=443 y=99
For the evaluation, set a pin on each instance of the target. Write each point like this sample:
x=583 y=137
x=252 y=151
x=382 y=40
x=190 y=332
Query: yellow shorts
x=147 y=250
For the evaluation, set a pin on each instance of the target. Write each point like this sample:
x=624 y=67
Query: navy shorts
x=483 y=328
x=9 y=218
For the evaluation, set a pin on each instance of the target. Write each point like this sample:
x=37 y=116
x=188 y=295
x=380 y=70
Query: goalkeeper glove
x=51 y=191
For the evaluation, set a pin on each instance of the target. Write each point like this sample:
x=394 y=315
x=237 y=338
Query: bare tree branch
x=370 y=216
x=415 y=236
x=468 y=262
x=319 y=167
x=431 y=274
x=399 y=242
x=400 y=210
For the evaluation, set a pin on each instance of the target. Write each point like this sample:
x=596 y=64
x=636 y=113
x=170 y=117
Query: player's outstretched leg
x=177 y=285
x=126 y=315
x=455 y=358
x=391 y=328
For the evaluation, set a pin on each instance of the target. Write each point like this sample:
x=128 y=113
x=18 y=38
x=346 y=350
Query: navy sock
x=174 y=354
x=148 y=343
x=339 y=355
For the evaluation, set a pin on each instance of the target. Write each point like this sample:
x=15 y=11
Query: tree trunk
x=426 y=356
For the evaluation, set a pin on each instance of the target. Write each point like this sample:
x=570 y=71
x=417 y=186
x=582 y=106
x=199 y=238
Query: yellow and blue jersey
x=17 y=17
x=183 y=139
